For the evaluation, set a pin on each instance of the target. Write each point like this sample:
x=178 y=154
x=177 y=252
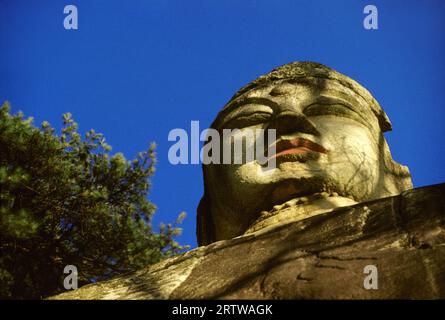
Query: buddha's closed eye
x=337 y=109
x=247 y=116
x=247 y=120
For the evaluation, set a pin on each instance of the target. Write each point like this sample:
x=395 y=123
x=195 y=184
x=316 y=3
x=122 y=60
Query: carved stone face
x=330 y=152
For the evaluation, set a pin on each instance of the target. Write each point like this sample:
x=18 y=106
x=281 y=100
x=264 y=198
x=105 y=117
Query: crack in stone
x=319 y=265
x=346 y=259
x=302 y=278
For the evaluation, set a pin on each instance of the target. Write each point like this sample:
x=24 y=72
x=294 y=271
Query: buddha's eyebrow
x=242 y=102
x=250 y=100
x=322 y=99
x=354 y=107
x=347 y=101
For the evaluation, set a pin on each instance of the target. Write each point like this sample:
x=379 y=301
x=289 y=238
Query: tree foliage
x=65 y=200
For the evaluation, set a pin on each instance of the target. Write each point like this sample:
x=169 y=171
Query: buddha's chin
x=291 y=184
x=289 y=169
x=312 y=165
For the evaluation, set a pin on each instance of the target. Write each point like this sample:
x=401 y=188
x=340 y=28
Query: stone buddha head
x=330 y=152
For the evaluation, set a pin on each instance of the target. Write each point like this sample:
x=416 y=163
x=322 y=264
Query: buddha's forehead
x=304 y=89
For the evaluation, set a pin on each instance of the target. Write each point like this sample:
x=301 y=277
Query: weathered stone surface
x=320 y=257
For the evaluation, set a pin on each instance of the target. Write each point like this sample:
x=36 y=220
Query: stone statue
x=330 y=152
x=334 y=207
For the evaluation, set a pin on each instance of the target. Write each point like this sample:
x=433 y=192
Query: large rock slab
x=321 y=257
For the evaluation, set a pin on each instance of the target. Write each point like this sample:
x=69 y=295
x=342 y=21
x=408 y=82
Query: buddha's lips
x=297 y=146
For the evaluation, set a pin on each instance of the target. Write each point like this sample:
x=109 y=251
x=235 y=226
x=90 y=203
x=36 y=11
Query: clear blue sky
x=136 y=69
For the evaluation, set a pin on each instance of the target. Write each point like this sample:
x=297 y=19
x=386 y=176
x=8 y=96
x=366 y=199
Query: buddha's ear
x=397 y=176
x=204 y=222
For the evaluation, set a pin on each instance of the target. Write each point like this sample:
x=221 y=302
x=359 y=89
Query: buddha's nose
x=290 y=121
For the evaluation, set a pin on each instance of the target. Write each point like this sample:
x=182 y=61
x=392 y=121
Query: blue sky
x=136 y=69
